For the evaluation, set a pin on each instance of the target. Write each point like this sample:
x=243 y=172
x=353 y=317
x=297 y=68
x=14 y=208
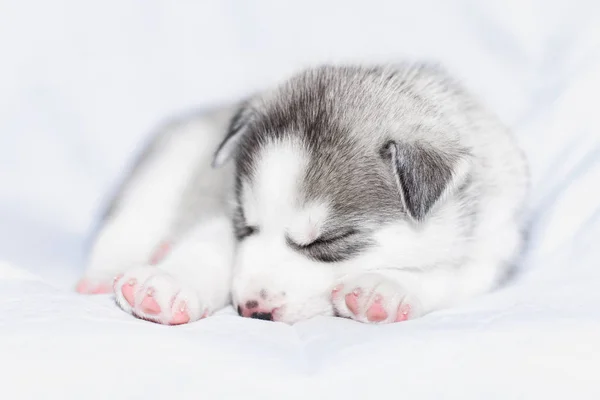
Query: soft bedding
x=84 y=83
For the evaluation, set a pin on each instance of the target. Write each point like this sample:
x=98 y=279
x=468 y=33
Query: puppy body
x=378 y=194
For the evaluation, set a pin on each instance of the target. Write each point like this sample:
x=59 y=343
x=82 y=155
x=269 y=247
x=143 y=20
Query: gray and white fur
x=374 y=193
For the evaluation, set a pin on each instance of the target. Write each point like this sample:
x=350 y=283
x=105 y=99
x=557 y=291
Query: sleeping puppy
x=373 y=193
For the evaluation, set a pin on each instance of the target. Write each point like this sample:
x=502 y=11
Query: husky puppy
x=373 y=193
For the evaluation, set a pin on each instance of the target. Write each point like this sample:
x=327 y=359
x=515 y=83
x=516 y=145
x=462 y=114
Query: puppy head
x=338 y=170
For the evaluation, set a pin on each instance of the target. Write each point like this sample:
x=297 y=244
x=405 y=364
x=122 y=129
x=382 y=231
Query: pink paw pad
x=149 y=305
x=128 y=290
x=181 y=316
x=352 y=301
x=376 y=313
x=403 y=312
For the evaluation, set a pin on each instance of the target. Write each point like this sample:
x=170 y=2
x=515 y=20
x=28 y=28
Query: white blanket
x=83 y=83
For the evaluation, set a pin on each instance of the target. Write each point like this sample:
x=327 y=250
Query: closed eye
x=334 y=246
x=325 y=239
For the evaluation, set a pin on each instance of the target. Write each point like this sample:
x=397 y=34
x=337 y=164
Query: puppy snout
x=253 y=309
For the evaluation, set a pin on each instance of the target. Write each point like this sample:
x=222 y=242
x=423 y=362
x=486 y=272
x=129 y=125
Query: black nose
x=262 y=315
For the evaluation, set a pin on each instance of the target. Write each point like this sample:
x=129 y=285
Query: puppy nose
x=268 y=316
x=252 y=309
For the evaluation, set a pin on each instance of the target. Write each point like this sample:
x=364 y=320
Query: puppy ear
x=424 y=175
x=238 y=127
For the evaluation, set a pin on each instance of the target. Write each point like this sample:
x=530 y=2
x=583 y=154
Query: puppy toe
x=376 y=312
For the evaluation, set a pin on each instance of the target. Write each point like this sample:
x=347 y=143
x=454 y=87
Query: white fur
x=306 y=225
x=265 y=263
x=272 y=194
x=148 y=205
x=197 y=271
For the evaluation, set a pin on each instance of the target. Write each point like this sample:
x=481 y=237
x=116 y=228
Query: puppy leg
x=192 y=281
x=144 y=212
x=123 y=243
x=394 y=295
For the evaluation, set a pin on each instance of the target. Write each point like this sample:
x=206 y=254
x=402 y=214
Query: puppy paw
x=102 y=271
x=374 y=298
x=155 y=295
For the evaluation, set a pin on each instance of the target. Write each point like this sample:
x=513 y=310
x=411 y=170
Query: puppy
x=373 y=193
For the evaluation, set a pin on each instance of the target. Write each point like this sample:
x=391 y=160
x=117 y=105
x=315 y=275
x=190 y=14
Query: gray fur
x=422 y=174
x=384 y=143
